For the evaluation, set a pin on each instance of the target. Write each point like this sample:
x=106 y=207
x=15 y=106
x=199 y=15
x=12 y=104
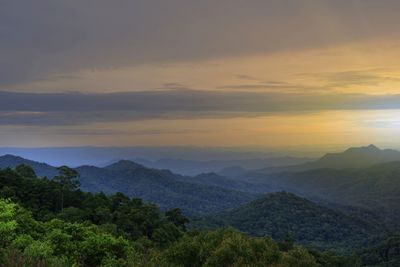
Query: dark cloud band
x=77 y=108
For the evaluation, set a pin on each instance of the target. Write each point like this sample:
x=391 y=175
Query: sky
x=199 y=73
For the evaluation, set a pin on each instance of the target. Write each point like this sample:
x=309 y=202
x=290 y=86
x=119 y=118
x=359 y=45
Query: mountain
x=41 y=169
x=123 y=165
x=39 y=226
x=352 y=158
x=233 y=171
x=386 y=253
x=98 y=156
x=281 y=215
x=375 y=188
x=214 y=179
x=162 y=187
x=168 y=190
x=195 y=167
x=356 y=157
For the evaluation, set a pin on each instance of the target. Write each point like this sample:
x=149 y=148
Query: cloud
x=273 y=86
x=44 y=38
x=246 y=77
x=254 y=83
x=77 y=108
x=349 y=78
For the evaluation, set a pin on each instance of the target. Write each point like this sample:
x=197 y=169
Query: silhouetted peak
x=124 y=165
x=208 y=175
x=369 y=148
x=281 y=196
x=9 y=156
x=372 y=147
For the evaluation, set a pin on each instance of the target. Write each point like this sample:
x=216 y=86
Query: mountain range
x=352 y=158
x=367 y=178
x=341 y=201
x=41 y=169
x=161 y=187
x=364 y=178
x=376 y=188
x=194 y=167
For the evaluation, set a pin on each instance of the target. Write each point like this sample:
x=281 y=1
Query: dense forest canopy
x=51 y=222
x=43 y=223
x=281 y=215
x=162 y=187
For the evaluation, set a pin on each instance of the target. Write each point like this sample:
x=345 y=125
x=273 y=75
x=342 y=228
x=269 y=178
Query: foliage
x=130 y=218
x=285 y=216
x=166 y=189
x=60 y=243
x=114 y=230
x=375 y=189
x=7 y=222
x=228 y=247
x=67 y=180
x=386 y=253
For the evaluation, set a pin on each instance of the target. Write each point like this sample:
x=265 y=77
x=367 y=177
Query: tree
x=25 y=171
x=8 y=224
x=175 y=216
x=287 y=243
x=67 y=180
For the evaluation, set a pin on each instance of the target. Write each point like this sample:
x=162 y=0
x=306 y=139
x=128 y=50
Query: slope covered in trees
x=285 y=215
x=162 y=187
x=214 y=179
x=40 y=168
x=386 y=253
x=129 y=232
x=375 y=188
x=28 y=242
x=51 y=199
x=99 y=230
x=166 y=189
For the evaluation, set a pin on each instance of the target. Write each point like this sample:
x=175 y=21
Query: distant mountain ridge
x=41 y=169
x=357 y=157
x=227 y=183
x=195 y=167
x=375 y=188
x=162 y=187
x=123 y=165
x=349 y=178
x=352 y=158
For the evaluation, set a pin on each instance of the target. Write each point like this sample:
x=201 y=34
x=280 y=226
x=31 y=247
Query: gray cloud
x=77 y=108
x=246 y=77
x=348 y=78
x=45 y=37
x=273 y=86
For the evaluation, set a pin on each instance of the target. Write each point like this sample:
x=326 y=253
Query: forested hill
x=161 y=187
x=164 y=188
x=375 y=188
x=285 y=215
x=41 y=169
x=52 y=223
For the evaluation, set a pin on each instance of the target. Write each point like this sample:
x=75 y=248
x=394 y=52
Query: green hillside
x=51 y=223
x=375 y=188
x=285 y=215
x=164 y=188
x=161 y=187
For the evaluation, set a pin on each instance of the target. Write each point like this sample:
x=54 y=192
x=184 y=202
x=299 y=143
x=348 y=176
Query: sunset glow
x=247 y=54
